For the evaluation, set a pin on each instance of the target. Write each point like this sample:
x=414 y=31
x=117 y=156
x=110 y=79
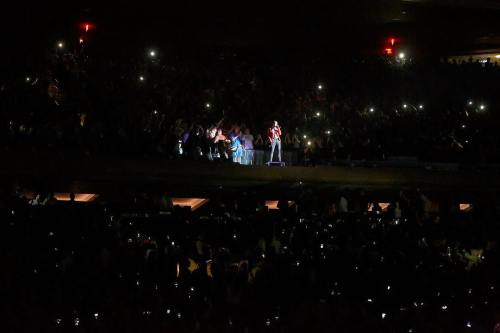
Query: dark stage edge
x=95 y=174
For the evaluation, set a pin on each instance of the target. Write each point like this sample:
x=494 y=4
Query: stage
x=101 y=173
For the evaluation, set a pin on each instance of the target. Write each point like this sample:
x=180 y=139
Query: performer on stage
x=274 y=136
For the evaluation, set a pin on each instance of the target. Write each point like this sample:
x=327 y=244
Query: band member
x=221 y=141
x=236 y=148
x=274 y=136
x=212 y=146
x=248 y=147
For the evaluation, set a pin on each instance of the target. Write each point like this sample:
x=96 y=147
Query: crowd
x=316 y=264
x=86 y=97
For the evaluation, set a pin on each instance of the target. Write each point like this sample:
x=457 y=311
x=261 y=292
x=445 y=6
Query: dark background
x=280 y=31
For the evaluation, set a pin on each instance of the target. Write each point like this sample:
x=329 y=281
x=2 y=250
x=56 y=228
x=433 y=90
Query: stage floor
x=92 y=174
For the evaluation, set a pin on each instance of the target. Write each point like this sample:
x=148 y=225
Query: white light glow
x=402 y=55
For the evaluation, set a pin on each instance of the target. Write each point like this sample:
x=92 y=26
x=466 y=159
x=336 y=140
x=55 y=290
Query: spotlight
x=28 y=79
x=308 y=143
x=482 y=107
x=328 y=132
x=470 y=103
x=207 y=105
x=405 y=106
x=372 y=110
x=320 y=86
x=305 y=136
x=402 y=55
x=152 y=53
x=60 y=45
x=318 y=114
x=141 y=78
x=497 y=56
x=420 y=106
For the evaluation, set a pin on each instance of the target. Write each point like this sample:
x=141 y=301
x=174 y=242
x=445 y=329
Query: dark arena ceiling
x=351 y=27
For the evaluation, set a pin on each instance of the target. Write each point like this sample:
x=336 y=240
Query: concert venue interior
x=300 y=166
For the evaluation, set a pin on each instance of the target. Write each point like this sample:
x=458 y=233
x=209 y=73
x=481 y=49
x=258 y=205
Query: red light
x=87 y=26
x=388 y=51
x=392 y=41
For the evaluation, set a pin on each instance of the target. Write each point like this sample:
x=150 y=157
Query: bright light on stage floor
x=193 y=203
x=273 y=204
x=465 y=207
x=383 y=205
x=79 y=197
